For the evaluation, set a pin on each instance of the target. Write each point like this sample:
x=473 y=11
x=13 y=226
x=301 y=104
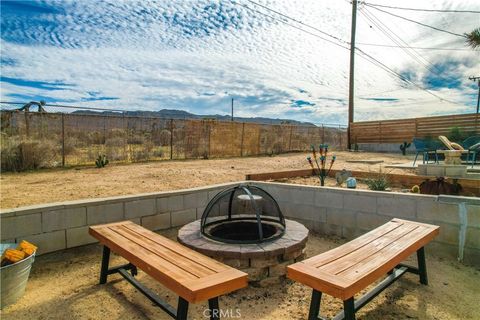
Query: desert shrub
x=20 y=154
x=135 y=139
x=457 y=135
x=96 y=137
x=114 y=148
x=277 y=148
x=158 y=152
x=161 y=138
x=115 y=142
x=378 y=183
x=143 y=153
x=71 y=144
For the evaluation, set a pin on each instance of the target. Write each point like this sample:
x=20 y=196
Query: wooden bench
x=346 y=270
x=191 y=275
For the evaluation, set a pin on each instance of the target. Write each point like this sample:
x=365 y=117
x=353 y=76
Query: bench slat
x=180 y=249
x=165 y=253
x=364 y=252
x=404 y=247
x=184 y=271
x=348 y=269
x=353 y=245
x=132 y=250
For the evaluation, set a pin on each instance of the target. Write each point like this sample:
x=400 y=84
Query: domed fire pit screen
x=243 y=214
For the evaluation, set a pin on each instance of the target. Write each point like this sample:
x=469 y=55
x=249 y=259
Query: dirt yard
x=56 y=185
x=64 y=285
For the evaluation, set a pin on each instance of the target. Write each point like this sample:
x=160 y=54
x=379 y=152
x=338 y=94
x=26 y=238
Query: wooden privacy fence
x=395 y=131
x=77 y=139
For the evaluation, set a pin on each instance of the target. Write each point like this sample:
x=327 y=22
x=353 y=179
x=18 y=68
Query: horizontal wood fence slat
x=397 y=131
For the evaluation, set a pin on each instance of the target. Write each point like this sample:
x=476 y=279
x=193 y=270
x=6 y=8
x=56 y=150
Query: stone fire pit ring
x=264 y=262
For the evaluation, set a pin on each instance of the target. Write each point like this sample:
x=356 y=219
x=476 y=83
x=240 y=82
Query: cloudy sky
x=197 y=55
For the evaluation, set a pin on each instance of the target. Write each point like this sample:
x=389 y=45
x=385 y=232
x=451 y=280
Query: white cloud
x=194 y=55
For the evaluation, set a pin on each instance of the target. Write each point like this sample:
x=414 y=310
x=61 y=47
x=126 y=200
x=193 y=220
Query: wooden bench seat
x=346 y=270
x=191 y=275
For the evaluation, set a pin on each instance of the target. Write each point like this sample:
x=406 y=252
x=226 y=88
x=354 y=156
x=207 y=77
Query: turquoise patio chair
x=472 y=145
x=425 y=148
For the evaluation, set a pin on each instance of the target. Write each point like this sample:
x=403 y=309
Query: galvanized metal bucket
x=14 y=278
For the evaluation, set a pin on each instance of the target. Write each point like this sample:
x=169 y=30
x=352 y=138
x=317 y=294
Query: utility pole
x=352 y=72
x=478 y=97
x=232 y=109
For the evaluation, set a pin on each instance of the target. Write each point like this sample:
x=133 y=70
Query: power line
x=419 y=23
x=296 y=20
x=364 y=55
x=399 y=41
x=418 y=9
x=291 y=25
x=408 y=47
x=385 y=30
x=391 y=71
x=377 y=93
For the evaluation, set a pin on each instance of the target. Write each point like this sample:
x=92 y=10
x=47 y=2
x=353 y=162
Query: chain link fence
x=60 y=137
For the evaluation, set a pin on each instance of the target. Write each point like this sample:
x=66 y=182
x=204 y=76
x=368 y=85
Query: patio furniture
x=469 y=146
x=191 y=275
x=346 y=270
x=472 y=144
x=425 y=148
x=452 y=156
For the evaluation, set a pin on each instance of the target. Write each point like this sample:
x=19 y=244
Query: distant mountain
x=180 y=114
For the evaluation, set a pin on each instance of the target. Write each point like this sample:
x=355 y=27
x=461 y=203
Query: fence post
x=209 y=132
x=323 y=133
x=241 y=145
x=340 y=134
x=27 y=124
x=171 y=139
x=125 y=143
x=380 y=131
x=63 y=140
x=290 y=139
x=416 y=127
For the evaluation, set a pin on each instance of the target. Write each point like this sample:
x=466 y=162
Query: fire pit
x=243 y=214
x=244 y=227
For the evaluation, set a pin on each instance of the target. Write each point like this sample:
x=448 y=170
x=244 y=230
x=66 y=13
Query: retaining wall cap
x=459 y=199
x=114 y=199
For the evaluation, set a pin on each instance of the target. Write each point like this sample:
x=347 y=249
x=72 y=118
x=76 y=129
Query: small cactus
x=101 y=161
x=404 y=146
x=415 y=189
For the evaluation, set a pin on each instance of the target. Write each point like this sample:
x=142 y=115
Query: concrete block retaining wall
x=385 y=147
x=58 y=226
x=342 y=212
x=350 y=213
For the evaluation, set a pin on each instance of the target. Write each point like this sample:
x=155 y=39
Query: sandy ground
x=55 y=185
x=63 y=285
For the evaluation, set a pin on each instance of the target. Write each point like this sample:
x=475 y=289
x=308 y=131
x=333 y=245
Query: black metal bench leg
x=104 y=267
x=315 y=305
x=214 y=309
x=133 y=270
x=182 y=309
x=422 y=266
x=349 y=309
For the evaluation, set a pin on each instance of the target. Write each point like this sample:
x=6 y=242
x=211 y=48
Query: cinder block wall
x=58 y=226
x=350 y=213
x=385 y=147
x=342 y=212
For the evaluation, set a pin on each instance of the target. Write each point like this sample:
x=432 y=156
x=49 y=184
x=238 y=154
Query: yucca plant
x=473 y=38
